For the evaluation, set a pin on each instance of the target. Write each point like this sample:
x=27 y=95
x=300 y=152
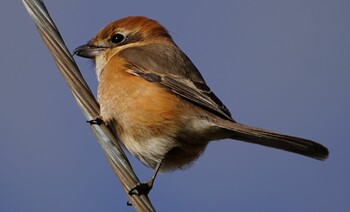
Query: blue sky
x=279 y=65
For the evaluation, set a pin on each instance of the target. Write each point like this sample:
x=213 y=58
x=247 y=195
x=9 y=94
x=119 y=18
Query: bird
x=158 y=104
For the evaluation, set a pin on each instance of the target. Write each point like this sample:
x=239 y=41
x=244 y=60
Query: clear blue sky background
x=280 y=65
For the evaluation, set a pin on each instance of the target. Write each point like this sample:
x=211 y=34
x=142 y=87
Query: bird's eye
x=117 y=38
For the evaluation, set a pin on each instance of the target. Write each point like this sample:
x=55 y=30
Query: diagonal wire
x=86 y=101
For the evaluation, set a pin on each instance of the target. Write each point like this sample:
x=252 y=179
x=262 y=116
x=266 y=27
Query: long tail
x=275 y=140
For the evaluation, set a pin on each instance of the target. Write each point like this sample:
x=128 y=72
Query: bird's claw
x=97 y=121
x=141 y=189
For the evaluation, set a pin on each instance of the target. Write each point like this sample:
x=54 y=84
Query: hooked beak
x=88 y=51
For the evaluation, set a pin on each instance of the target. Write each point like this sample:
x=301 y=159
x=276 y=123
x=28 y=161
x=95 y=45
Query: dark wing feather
x=168 y=66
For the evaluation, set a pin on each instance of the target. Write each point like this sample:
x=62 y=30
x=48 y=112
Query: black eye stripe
x=117 y=38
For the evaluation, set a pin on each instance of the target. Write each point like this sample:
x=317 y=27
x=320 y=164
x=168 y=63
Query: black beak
x=88 y=51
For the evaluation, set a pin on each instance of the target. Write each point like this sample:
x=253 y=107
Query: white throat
x=101 y=63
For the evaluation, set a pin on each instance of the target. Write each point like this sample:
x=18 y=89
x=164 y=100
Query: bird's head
x=121 y=34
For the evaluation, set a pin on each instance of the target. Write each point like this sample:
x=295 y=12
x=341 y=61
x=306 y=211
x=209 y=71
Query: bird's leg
x=145 y=188
x=97 y=121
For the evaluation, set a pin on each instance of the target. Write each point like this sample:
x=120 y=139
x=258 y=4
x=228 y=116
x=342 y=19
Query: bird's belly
x=177 y=150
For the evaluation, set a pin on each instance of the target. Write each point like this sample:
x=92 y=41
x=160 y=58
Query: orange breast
x=145 y=107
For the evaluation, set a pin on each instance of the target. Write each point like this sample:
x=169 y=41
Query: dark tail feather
x=276 y=140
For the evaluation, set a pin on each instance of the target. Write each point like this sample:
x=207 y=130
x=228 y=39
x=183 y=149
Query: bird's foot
x=141 y=189
x=97 y=121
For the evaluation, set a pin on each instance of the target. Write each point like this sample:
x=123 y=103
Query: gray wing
x=168 y=66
